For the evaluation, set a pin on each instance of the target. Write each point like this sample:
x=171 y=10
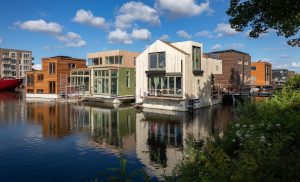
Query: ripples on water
x=72 y=142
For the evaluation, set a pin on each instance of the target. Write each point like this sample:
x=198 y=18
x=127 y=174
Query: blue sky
x=77 y=27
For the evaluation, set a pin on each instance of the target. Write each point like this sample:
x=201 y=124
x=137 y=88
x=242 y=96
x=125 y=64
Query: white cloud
x=204 y=33
x=184 y=34
x=284 y=56
x=216 y=47
x=225 y=30
x=141 y=34
x=86 y=17
x=164 y=37
x=235 y=46
x=40 y=26
x=227 y=46
x=71 y=39
x=183 y=7
x=119 y=36
x=1 y=40
x=136 y=11
x=296 y=65
x=37 y=66
x=48 y=48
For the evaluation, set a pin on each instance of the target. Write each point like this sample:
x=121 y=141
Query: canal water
x=48 y=141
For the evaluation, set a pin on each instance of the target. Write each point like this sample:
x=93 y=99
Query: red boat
x=10 y=83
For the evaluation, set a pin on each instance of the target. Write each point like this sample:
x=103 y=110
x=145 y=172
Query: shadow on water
x=153 y=139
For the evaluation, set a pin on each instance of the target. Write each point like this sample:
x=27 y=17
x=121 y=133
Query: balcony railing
x=165 y=93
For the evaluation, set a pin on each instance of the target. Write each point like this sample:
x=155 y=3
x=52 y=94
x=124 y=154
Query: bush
x=262 y=144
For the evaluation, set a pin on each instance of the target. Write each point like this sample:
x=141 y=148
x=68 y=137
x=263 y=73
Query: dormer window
x=157 y=60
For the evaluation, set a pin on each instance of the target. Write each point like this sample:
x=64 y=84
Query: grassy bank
x=261 y=144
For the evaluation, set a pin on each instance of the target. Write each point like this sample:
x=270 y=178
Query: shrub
x=261 y=144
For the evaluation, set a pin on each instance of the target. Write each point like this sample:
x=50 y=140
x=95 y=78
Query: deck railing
x=165 y=92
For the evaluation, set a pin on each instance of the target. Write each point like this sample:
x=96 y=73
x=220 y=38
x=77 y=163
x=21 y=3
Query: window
x=134 y=61
x=40 y=77
x=30 y=91
x=253 y=68
x=51 y=68
x=40 y=91
x=52 y=87
x=165 y=86
x=157 y=60
x=114 y=60
x=196 y=58
x=29 y=79
x=100 y=61
x=128 y=79
x=71 y=65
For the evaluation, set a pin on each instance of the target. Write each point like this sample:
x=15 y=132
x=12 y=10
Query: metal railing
x=164 y=92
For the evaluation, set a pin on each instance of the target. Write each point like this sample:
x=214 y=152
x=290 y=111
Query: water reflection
x=153 y=137
x=161 y=135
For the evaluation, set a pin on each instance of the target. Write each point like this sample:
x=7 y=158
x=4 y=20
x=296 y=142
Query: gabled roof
x=169 y=44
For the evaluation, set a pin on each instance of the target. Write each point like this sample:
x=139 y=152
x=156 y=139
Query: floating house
x=51 y=82
x=176 y=76
x=110 y=77
x=261 y=74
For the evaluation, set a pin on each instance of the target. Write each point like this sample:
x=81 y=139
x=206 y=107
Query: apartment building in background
x=261 y=73
x=53 y=79
x=280 y=77
x=14 y=63
x=236 y=68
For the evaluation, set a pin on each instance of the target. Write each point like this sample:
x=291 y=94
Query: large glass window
x=165 y=86
x=106 y=82
x=157 y=60
x=196 y=58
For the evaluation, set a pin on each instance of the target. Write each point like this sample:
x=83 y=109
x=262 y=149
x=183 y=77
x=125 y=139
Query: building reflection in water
x=161 y=135
x=12 y=107
x=157 y=138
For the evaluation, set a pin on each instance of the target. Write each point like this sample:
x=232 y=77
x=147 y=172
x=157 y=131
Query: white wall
x=173 y=64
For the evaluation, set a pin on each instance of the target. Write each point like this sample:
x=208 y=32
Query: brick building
x=236 y=68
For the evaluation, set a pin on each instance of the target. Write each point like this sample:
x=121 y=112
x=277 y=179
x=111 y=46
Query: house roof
x=169 y=44
x=229 y=50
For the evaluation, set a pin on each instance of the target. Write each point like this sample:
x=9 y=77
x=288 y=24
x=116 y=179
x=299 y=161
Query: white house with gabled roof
x=176 y=76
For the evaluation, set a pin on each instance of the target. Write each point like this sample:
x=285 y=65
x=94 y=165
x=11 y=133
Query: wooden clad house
x=261 y=73
x=52 y=80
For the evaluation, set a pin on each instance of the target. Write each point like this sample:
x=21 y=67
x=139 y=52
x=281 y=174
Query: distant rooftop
x=64 y=57
x=229 y=50
x=7 y=49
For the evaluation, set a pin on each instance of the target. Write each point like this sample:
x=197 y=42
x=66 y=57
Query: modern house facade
x=52 y=80
x=14 y=63
x=111 y=75
x=236 y=68
x=261 y=74
x=175 y=76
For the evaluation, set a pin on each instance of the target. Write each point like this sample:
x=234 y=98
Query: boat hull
x=10 y=84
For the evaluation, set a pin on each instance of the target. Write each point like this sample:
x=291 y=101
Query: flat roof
x=229 y=50
x=20 y=50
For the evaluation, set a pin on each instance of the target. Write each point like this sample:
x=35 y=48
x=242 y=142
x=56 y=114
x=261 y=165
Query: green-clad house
x=110 y=77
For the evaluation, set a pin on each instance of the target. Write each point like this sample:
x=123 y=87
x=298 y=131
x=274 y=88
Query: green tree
x=262 y=15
